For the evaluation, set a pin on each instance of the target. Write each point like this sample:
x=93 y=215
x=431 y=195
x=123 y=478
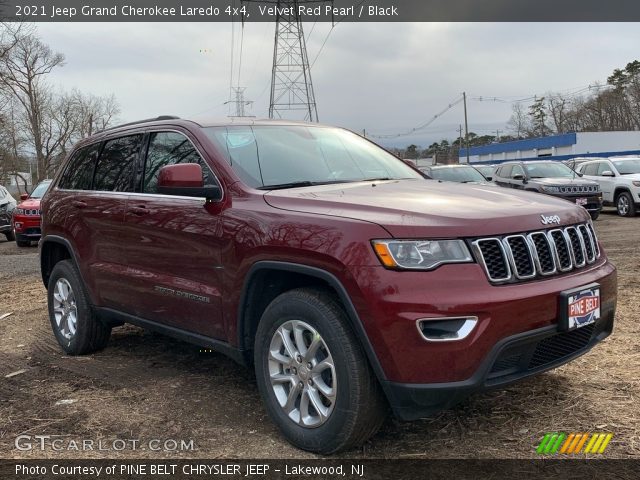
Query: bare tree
x=519 y=123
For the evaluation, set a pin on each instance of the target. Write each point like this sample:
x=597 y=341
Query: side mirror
x=24 y=196
x=607 y=173
x=185 y=179
x=518 y=176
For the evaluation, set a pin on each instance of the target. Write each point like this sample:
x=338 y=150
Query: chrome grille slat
x=537 y=254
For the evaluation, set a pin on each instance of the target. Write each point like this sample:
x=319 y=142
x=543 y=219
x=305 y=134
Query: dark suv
x=551 y=178
x=348 y=281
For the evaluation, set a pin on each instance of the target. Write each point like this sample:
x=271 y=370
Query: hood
x=631 y=176
x=30 y=204
x=564 y=181
x=415 y=208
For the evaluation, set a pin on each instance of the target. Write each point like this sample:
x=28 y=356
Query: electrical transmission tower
x=239 y=101
x=291 y=84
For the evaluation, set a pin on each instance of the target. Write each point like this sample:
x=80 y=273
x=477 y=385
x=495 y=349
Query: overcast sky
x=384 y=78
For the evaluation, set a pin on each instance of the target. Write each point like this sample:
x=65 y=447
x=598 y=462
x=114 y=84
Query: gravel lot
x=146 y=386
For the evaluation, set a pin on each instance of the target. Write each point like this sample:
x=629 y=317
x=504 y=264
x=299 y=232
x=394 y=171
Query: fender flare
x=354 y=319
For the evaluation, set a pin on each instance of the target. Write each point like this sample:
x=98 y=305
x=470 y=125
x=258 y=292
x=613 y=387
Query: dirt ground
x=145 y=386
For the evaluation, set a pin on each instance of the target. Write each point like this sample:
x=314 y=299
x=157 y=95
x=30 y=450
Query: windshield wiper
x=304 y=183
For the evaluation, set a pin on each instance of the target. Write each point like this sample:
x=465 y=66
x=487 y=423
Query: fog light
x=449 y=329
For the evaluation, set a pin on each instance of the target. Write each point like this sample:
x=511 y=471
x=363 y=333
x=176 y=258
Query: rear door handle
x=140 y=210
x=79 y=203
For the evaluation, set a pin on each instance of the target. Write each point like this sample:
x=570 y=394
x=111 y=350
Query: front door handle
x=140 y=210
x=79 y=203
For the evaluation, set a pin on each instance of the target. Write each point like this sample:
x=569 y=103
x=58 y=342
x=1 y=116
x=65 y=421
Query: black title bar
x=323 y=11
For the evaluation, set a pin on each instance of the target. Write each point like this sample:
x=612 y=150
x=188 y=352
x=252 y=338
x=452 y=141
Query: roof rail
x=156 y=119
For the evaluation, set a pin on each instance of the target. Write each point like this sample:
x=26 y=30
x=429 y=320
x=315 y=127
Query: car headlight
x=636 y=184
x=420 y=254
x=551 y=189
x=18 y=211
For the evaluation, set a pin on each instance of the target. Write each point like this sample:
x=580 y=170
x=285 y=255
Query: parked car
x=574 y=163
x=454 y=173
x=486 y=170
x=7 y=204
x=26 y=216
x=551 y=178
x=619 y=180
x=345 y=279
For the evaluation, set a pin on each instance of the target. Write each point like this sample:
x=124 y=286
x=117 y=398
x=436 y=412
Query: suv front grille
x=579 y=189
x=523 y=257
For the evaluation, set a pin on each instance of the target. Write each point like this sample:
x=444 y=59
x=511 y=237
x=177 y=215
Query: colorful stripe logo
x=558 y=442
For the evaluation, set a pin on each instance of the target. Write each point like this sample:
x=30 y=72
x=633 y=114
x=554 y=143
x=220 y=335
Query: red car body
x=206 y=272
x=26 y=217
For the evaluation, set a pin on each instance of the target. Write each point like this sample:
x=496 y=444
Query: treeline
x=38 y=122
x=614 y=106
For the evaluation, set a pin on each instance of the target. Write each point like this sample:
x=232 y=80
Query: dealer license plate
x=581 y=307
x=581 y=201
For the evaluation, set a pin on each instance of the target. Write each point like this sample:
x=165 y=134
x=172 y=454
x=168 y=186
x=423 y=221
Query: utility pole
x=460 y=142
x=466 y=125
x=498 y=135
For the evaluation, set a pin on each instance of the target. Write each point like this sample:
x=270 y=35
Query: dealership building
x=557 y=147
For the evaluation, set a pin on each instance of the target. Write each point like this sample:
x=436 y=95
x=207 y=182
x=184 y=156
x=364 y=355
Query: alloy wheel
x=65 y=310
x=302 y=373
x=623 y=205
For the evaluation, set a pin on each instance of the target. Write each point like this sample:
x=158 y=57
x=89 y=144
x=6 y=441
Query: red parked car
x=349 y=282
x=26 y=216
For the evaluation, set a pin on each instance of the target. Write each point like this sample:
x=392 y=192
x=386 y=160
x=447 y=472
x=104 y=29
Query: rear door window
x=115 y=168
x=505 y=172
x=171 y=148
x=79 y=172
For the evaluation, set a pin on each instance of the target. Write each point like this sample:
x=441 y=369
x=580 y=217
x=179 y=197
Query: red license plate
x=581 y=201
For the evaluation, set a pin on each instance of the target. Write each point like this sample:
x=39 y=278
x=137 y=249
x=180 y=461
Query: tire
x=625 y=205
x=10 y=236
x=23 y=243
x=358 y=407
x=594 y=215
x=67 y=296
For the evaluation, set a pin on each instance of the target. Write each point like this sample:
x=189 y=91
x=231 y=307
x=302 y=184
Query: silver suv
x=619 y=180
x=551 y=178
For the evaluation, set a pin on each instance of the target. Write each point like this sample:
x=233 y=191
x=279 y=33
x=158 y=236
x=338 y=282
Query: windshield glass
x=486 y=171
x=40 y=190
x=458 y=174
x=548 y=170
x=289 y=156
x=628 y=167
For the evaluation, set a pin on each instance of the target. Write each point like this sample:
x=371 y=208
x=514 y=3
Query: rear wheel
x=313 y=376
x=74 y=324
x=625 y=205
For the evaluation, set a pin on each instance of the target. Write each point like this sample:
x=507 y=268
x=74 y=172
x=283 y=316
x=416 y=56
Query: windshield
x=40 y=190
x=485 y=170
x=548 y=170
x=628 y=167
x=458 y=174
x=289 y=156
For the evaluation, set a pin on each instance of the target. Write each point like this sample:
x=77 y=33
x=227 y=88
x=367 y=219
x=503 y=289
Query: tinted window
x=170 y=148
x=79 y=172
x=505 y=171
x=114 y=171
x=277 y=156
x=603 y=167
x=590 y=169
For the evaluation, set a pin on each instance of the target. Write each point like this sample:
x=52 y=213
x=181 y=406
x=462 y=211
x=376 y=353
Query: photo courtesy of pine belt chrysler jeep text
x=349 y=282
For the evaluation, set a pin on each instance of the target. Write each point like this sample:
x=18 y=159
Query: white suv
x=619 y=180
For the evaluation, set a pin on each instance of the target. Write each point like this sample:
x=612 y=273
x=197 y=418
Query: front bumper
x=27 y=228
x=512 y=359
x=594 y=202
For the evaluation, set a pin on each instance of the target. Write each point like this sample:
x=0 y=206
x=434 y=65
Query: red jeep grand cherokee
x=348 y=281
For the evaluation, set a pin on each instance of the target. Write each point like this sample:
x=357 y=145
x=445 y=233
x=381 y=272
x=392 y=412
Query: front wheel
x=74 y=323
x=625 y=205
x=312 y=374
x=10 y=236
x=594 y=215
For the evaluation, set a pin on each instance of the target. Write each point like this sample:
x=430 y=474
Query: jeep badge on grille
x=550 y=219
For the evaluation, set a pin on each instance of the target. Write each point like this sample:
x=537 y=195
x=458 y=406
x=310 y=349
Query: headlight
x=551 y=189
x=420 y=254
x=18 y=211
x=637 y=184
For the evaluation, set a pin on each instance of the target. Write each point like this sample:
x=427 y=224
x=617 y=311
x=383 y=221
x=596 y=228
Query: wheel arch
x=54 y=249
x=619 y=189
x=256 y=296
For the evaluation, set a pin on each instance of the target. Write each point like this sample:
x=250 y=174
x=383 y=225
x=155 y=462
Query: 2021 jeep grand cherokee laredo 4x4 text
x=347 y=280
